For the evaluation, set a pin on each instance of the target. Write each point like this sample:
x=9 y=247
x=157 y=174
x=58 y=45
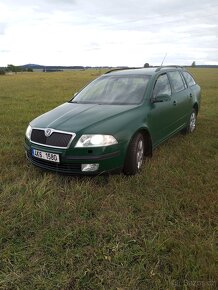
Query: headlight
x=95 y=141
x=28 y=132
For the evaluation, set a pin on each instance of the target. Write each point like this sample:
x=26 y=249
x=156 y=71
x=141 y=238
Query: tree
x=13 y=68
x=146 y=64
x=2 y=71
x=10 y=68
x=193 y=64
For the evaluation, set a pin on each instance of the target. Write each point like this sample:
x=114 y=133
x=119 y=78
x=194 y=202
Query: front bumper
x=71 y=160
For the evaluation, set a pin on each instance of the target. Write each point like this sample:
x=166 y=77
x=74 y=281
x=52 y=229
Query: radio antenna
x=163 y=59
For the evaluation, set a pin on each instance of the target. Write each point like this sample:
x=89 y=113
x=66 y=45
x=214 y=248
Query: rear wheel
x=135 y=155
x=192 y=123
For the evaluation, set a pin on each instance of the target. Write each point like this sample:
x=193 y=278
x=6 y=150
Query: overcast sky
x=112 y=32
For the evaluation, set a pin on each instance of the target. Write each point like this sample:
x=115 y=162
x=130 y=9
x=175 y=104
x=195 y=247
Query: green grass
x=156 y=230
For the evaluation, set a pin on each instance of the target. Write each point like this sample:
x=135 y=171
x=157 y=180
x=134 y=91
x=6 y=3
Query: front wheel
x=135 y=155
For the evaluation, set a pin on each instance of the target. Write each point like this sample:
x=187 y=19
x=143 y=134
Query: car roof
x=143 y=71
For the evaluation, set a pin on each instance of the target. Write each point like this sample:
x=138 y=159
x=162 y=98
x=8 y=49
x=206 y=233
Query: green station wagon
x=115 y=121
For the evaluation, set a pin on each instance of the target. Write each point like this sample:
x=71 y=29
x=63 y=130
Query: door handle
x=174 y=103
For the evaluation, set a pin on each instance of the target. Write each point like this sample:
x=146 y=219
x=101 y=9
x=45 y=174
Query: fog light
x=90 y=167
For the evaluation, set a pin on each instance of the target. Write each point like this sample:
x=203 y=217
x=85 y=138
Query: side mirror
x=161 y=98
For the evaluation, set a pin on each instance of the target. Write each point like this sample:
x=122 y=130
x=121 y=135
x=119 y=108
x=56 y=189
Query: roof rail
x=120 y=68
x=168 y=66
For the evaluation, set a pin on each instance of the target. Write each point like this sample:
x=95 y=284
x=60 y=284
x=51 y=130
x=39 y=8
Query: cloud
x=43 y=5
x=4 y=50
x=2 y=28
x=108 y=33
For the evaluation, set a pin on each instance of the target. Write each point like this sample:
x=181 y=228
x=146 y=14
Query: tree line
x=14 y=69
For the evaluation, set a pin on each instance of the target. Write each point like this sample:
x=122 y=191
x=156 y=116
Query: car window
x=162 y=86
x=189 y=79
x=176 y=81
x=126 y=90
x=183 y=78
x=96 y=91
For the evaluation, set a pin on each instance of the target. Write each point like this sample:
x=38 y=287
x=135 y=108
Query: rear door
x=182 y=99
x=194 y=88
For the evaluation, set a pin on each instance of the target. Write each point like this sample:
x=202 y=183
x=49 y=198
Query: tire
x=191 y=124
x=135 y=155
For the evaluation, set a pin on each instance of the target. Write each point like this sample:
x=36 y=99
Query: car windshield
x=114 y=90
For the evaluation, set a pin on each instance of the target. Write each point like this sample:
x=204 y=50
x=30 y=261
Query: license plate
x=46 y=155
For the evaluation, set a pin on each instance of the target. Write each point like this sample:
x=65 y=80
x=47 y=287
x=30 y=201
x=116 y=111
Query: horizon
x=40 y=66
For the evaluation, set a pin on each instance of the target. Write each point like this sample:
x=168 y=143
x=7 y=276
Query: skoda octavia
x=114 y=121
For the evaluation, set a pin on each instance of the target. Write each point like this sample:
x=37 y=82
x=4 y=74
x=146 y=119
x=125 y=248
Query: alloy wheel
x=140 y=154
x=192 y=123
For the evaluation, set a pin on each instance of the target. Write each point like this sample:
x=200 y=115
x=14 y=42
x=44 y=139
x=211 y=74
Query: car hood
x=75 y=117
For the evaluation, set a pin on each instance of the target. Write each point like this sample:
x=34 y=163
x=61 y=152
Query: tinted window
x=189 y=79
x=162 y=86
x=176 y=81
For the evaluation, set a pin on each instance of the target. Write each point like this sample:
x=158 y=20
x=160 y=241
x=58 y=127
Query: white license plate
x=46 y=155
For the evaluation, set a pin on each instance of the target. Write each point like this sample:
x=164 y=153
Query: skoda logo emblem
x=48 y=132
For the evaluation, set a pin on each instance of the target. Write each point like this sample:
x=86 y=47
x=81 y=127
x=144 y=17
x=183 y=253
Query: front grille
x=59 y=167
x=56 y=139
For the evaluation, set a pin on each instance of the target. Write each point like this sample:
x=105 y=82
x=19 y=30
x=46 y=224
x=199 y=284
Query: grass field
x=156 y=230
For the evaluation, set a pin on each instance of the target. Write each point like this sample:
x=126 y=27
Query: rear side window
x=162 y=86
x=189 y=79
x=176 y=81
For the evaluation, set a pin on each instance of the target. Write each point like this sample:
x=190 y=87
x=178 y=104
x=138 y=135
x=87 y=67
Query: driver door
x=161 y=116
